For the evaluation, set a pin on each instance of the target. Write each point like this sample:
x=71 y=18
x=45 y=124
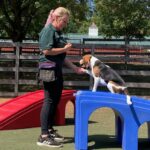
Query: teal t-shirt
x=50 y=38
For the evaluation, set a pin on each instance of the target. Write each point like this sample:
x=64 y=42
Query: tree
x=79 y=14
x=22 y=19
x=16 y=17
x=128 y=18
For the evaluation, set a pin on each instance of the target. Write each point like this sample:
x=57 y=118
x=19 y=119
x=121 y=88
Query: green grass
x=101 y=134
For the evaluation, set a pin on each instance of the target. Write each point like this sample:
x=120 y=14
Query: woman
x=53 y=55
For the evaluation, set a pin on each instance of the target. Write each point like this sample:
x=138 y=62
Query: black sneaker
x=57 y=137
x=48 y=141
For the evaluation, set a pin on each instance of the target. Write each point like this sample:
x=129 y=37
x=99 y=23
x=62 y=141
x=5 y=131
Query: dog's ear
x=86 y=58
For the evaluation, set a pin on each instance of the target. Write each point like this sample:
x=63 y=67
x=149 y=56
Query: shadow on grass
x=102 y=141
x=71 y=121
x=97 y=142
x=144 y=144
x=68 y=140
x=108 y=142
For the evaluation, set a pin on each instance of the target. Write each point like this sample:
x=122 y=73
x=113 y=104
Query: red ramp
x=24 y=111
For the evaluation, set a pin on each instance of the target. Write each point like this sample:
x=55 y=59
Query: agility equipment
x=130 y=117
x=24 y=111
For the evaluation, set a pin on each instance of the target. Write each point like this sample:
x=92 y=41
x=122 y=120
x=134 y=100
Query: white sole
x=42 y=144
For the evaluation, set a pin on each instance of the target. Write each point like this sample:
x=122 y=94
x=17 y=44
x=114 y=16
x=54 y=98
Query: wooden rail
x=131 y=62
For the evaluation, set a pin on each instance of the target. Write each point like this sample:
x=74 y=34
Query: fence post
x=126 y=52
x=91 y=78
x=17 y=44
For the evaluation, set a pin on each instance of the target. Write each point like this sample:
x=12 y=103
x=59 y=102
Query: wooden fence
x=19 y=65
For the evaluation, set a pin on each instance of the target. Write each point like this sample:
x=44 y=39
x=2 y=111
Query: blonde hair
x=60 y=11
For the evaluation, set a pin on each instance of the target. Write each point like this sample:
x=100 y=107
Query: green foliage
x=16 y=17
x=20 y=19
x=128 y=18
x=85 y=26
x=24 y=19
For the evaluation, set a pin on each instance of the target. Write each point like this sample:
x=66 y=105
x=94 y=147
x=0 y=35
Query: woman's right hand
x=68 y=46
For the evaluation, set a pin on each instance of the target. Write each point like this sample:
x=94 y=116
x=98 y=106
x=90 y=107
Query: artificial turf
x=101 y=134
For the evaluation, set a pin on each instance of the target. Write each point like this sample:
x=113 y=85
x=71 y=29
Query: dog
x=104 y=75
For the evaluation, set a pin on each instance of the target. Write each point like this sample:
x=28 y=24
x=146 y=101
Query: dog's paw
x=93 y=90
x=128 y=100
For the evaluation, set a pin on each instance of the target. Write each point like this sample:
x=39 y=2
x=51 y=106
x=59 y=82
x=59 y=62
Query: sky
x=91 y=4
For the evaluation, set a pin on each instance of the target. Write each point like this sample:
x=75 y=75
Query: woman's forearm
x=70 y=64
x=54 y=51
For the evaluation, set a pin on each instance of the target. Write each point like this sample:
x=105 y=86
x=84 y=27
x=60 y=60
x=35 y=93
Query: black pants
x=52 y=94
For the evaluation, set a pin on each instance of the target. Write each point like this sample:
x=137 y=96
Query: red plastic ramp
x=24 y=111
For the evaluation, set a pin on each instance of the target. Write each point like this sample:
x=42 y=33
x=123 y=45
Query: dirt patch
x=2 y=100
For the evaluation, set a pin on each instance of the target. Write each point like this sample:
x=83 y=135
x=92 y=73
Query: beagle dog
x=104 y=75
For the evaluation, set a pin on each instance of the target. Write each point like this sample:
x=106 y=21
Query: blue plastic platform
x=132 y=116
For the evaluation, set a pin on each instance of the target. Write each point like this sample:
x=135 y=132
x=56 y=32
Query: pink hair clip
x=50 y=18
